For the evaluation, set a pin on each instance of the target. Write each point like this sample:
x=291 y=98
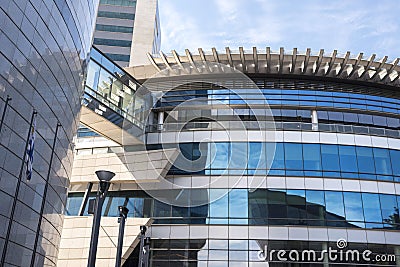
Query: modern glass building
x=300 y=153
x=125 y=28
x=43 y=53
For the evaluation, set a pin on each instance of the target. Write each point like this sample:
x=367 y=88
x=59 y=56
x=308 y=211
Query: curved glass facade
x=43 y=50
x=316 y=188
x=262 y=207
x=293 y=159
x=298 y=93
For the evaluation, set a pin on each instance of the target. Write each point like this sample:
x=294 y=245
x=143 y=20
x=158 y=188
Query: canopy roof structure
x=333 y=65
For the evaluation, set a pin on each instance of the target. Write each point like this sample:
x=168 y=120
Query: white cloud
x=357 y=25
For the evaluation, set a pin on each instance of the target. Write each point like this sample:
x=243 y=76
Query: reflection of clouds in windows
x=262 y=207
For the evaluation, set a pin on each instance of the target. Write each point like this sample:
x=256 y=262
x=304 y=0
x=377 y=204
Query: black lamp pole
x=105 y=178
x=142 y=255
x=123 y=213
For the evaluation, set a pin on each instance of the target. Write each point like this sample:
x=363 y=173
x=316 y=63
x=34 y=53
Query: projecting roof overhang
x=335 y=65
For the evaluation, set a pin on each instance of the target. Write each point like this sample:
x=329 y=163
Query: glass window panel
x=238 y=244
x=312 y=157
x=330 y=158
x=293 y=156
x=382 y=161
x=73 y=205
x=296 y=197
x=380 y=121
x=238 y=156
x=395 y=159
x=350 y=117
x=348 y=159
x=315 y=206
x=388 y=208
x=161 y=209
x=219 y=207
x=105 y=82
x=353 y=206
x=365 y=119
x=277 y=158
x=257 y=157
x=258 y=204
x=315 y=197
x=238 y=205
x=393 y=122
x=365 y=159
x=371 y=207
x=335 y=116
x=219 y=154
x=334 y=205
x=93 y=74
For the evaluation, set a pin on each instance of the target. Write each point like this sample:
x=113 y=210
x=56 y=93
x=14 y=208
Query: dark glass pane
x=161 y=209
x=258 y=206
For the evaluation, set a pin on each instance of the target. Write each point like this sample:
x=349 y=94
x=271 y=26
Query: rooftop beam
x=377 y=70
x=344 y=64
x=153 y=62
x=294 y=58
x=370 y=61
x=203 y=58
x=332 y=62
x=268 y=51
x=319 y=61
x=242 y=59
x=255 y=59
x=306 y=60
x=178 y=61
x=229 y=56
x=190 y=58
x=164 y=59
x=355 y=65
x=216 y=58
x=394 y=64
x=281 y=58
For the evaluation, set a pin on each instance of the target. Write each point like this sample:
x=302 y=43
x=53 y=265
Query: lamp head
x=104 y=176
x=123 y=211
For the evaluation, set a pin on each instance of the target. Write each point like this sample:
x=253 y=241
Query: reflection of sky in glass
x=334 y=203
x=353 y=206
x=370 y=202
x=238 y=205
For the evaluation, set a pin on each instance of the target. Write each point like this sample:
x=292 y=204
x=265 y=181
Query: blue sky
x=346 y=25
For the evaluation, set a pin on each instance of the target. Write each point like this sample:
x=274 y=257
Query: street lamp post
x=105 y=178
x=142 y=255
x=123 y=213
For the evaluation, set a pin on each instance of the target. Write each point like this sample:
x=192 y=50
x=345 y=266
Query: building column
x=160 y=124
x=314 y=120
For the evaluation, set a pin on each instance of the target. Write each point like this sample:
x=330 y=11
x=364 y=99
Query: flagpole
x=7 y=237
x=46 y=185
x=4 y=112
